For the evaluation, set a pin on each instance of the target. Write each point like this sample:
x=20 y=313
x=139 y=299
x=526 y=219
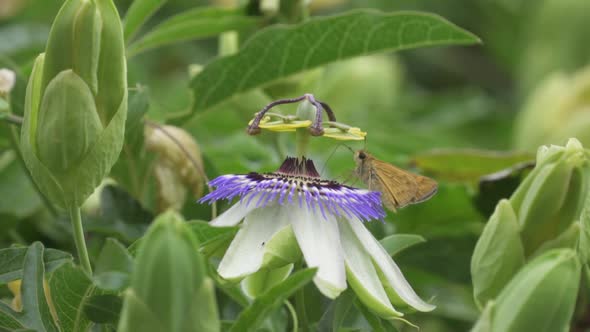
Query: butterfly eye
x=362 y=155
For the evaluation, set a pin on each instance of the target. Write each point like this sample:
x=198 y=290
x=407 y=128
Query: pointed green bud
x=584 y=239
x=484 y=322
x=74 y=43
x=570 y=238
x=542 y=296
x=551 y=197
x=68 y=124
x=76 y=103
x=166 y=286
x=498 y=254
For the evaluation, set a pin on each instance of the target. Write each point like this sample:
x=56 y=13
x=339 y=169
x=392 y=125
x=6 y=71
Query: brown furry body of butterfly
x=398 y=187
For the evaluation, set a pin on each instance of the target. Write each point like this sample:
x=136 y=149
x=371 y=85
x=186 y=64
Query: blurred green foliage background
x=494 y=96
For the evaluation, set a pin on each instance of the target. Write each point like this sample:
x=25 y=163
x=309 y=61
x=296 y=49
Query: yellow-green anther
x=542 y=296
x=67 y=123
x=498 y=254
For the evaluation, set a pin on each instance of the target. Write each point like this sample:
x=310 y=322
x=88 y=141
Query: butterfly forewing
x=397 y=186
x=427 y=187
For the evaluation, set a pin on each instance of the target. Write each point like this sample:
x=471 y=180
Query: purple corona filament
x=298 y=183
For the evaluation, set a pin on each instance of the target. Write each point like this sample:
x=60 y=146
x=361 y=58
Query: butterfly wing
x=427 y=187
x=398 y=187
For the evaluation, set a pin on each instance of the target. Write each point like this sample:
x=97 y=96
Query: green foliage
x=35 y=313
x=283 y=51
x=194 y=24
x=501 y=247
x=13 y=259
x=71 y=289
x=253 y=315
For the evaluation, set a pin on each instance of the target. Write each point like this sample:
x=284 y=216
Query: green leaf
x=35 y=314
x=103 y=309
x=9 y=318
x=138 y=105
x=281 y=51
x=194 y=24
x=12 y=260
x=117 y=204
x=253 y=316
x=15 y=185
x=70 y=290
x=113 y=266
x=338 y=311
x=137 y=14
x=113 y=257
x=502 y=184
x=122 y=216
x=467 y=164
x=373 y=320
x=395 y=243
x=212 y=239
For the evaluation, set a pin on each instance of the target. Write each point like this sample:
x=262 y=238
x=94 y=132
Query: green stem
x=301 y=141
x=76 y=220
x=304 y=11
x=293 y=316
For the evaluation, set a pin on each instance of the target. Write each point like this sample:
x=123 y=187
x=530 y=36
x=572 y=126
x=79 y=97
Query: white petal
x=245 y=253
x=235 y=214
x=362 y=275
x=388 y=267
x=319 y=241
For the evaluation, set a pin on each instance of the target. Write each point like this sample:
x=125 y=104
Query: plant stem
x=293 y=316
x=301 y=141
x=76 y=220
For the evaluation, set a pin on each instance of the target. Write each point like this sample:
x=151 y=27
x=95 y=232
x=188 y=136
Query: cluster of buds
x=76 y=102
x=535 y=241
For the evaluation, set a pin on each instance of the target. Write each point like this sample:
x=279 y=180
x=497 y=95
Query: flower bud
x=556 y=110
x=167 y=294
x=541 y=297
x=76 y=102
x=551 y=197
x=179 y=165
x=498 y=254
x=7 y=80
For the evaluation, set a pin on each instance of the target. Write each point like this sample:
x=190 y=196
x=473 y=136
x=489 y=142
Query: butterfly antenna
x=332 y=154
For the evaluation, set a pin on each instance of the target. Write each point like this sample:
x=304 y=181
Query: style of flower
x=326 y=218
x=316 y=125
